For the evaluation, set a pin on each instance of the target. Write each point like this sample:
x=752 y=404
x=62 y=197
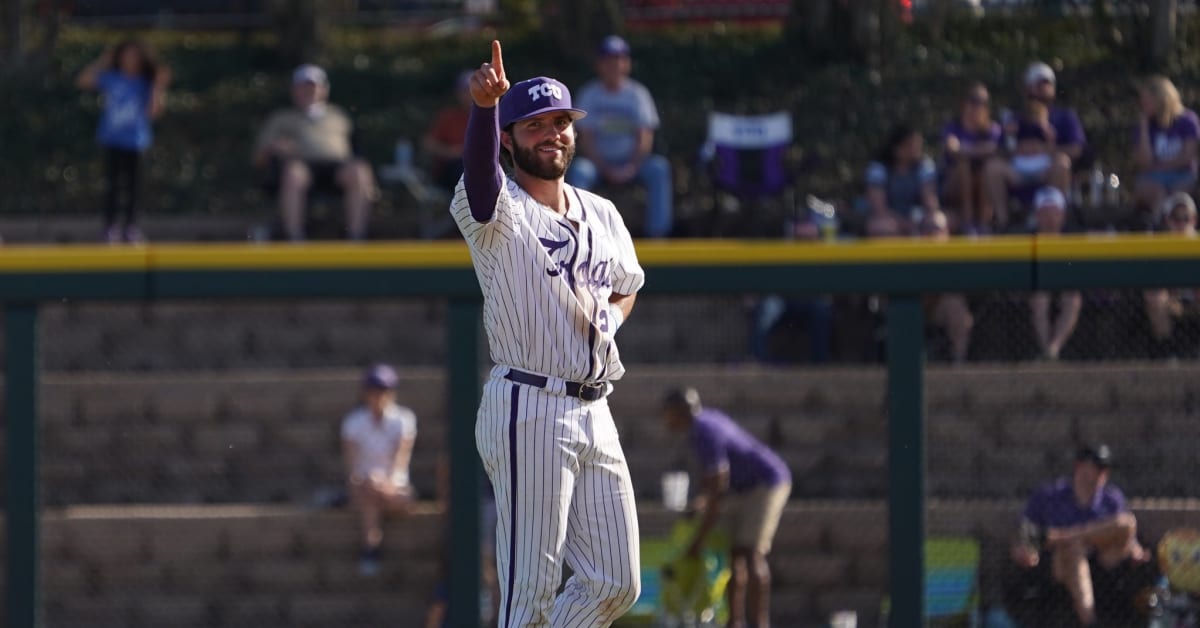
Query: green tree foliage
x=842 y=30
x=575 y=26
x=301 y=28
x=30 y=32
x=1162 y=31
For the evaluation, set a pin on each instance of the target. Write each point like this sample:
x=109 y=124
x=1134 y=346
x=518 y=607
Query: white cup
x=843 y=619
x=675 y=490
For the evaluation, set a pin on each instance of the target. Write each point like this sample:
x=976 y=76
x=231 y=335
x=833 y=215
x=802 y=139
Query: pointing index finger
x=497 y=59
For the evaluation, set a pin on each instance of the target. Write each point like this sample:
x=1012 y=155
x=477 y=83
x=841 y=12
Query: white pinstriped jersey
x=546 y=284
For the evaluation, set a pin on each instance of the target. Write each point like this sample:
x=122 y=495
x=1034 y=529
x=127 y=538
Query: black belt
x=593 y=391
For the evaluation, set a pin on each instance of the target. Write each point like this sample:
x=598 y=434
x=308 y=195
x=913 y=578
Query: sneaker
x=134 y=235
x=112 y=235
x=368 y=564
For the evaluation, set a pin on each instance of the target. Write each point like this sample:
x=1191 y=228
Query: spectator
x=1164 y=306
x=1049 y=140
x=617 y=135
x=948 y=310
x=133 y=86
x=309 y=146
x=901 y=180
x=968 y=141
x=745 y=482
x=377 y=444
x=1076 y=526
x=1050 y=216
x=444 y=140
x=1165 y=145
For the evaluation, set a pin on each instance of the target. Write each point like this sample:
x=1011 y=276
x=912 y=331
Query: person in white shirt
x=377 y=444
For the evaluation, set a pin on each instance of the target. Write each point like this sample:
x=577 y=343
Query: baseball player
x=559 y=275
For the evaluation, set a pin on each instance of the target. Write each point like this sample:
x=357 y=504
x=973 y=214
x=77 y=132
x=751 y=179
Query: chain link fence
x=192 y=473
x=1020 y=452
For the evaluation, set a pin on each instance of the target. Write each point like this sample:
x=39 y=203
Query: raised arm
x=89 y=76
x=481 y=149
x=158 y=91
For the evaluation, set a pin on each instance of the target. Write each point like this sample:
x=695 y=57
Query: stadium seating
x=270 y=436
x=217 y=469
x=276 y=567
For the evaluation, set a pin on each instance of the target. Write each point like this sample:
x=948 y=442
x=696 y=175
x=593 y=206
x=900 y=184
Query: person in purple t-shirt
x=1164 y=144
x=1076 y=521
x=745 y=481
x=1024 y=171
x=968 y=141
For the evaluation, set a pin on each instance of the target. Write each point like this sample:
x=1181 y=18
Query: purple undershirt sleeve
x=481 y=162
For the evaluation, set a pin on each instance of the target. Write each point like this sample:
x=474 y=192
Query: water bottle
x=1096 y=190
x=1008 y=122
x=824 y=214
x=404 y=154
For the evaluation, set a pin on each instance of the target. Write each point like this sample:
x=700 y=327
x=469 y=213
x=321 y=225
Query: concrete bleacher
x=231 y=565
x=191 y=335
x=271 y=435
x=265 y=566
x=267 y=440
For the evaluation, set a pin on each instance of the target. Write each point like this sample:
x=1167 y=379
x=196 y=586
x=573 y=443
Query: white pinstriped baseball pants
x=562 y=493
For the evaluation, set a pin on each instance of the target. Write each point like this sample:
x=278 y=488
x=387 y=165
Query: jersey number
x=603 y=316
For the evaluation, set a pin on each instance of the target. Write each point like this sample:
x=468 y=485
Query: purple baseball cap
x=381 y=377
x=535 y=96
x=614 y=46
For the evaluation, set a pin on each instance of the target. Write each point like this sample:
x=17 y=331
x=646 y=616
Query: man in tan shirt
x=307 y=146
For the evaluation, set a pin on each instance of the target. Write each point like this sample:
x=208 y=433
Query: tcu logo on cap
x=545 y=89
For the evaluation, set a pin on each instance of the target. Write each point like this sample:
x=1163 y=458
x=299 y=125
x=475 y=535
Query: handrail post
x=906 y=460
x=462 y=540
x=23 y=505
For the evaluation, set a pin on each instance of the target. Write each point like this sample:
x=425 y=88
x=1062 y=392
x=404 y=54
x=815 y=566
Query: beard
x=535 y=164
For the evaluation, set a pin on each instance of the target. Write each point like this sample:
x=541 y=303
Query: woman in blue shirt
x=901 y=184
x=133 y=88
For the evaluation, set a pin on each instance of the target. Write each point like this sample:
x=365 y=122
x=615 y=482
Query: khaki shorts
x=752 y=517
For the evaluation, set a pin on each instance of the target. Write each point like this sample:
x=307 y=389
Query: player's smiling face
x=543 y=146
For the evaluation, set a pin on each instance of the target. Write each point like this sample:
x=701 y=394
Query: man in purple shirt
x=750 y=484
x=1075 y=522
x=1025 y=171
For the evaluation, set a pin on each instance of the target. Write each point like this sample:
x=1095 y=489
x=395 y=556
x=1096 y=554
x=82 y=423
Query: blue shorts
x=1170 y=180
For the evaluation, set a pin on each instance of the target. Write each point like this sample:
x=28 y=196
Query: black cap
x=684 y=398
x=1099 y=455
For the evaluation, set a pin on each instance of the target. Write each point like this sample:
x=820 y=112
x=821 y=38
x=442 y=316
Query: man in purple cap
x=559 y=275
x=745 y=484
x=377 y=444
x=618 y=135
